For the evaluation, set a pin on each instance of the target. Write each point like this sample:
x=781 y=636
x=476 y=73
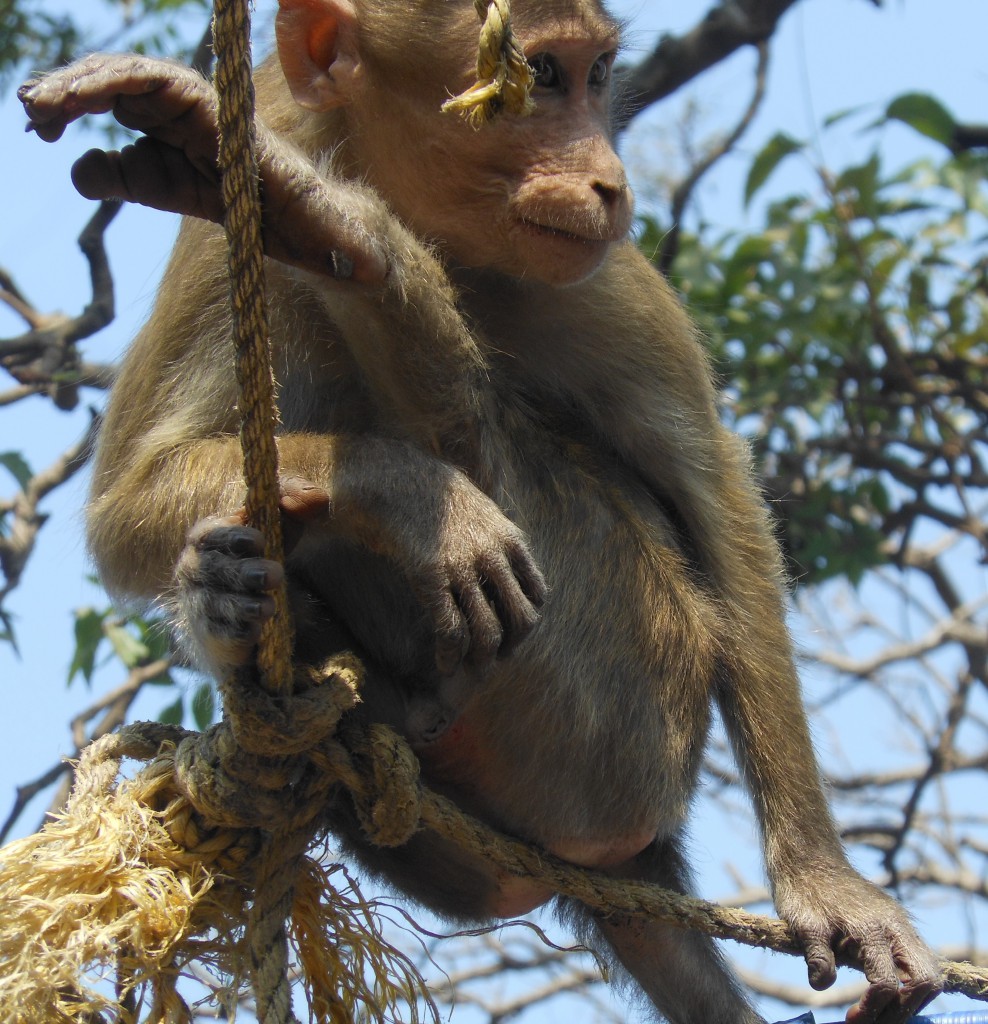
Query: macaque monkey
x=501 y=448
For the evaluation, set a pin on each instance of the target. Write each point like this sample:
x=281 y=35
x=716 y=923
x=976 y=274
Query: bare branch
x=45 y=357
x=676 y=60
x=961 y=627
x=26 y=520
x=799 y=995
x=28 y=791
x=970 y=136
x=15 y=395
x=684 y=190
x=114 y=708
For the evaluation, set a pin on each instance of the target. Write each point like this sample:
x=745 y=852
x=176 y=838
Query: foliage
x=852 y=330
x=33 y=37
x=137 y=643
x=134 y=641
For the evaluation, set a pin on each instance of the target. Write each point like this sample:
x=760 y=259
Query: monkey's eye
x=600 y=72
x=546 y=70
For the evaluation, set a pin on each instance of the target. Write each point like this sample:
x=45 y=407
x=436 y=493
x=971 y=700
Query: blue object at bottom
x=965 y=1017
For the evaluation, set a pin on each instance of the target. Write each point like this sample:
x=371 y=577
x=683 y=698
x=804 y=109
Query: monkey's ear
x=317 y=44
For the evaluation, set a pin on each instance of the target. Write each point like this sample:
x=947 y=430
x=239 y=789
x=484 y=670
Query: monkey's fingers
x=821 y=964
x=452 y=634
x=224 y=589
x=152 y=174
x=901 y=982
x=161 y=98
x=484 y=625
x=226 y=535
x=306 y=218
x=516 y=592
x=303 y=500
x=529 y=575
x=484 y=615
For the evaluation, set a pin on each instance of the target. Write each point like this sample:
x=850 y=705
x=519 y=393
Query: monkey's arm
x=169 y=457
x=460 y=554
x=410 y=340
x=174 y=166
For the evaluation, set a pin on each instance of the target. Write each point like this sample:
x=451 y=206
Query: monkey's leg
x=681 y=972
x=437 y=873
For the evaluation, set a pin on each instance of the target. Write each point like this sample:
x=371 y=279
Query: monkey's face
x=540 y=197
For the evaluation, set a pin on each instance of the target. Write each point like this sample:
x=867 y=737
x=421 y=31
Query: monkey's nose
x=609 y=192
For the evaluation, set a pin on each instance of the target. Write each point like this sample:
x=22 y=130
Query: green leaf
x=204 y=706
x=128 y=648
x=88 y=636
x=773 y=153
x=924 y=114
x=156 y=638
x=173 y=713
x=841 y=115
x=863 y=180
x=19 y=469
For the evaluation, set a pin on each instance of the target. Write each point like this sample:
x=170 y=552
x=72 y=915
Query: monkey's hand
x=467 y=564
x=474 y=576
x=309 y=219
x=223 y=584
x=837 y=914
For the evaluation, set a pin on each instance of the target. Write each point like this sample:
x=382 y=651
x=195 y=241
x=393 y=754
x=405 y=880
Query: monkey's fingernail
x=256 y=578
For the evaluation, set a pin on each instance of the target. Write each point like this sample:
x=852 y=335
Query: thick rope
x=384 y=752
x=258 y=412
x=504 y=78
x=504 y=82
x=280 y=857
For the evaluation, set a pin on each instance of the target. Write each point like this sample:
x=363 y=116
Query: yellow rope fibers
x=504 y=78
x=106 y=907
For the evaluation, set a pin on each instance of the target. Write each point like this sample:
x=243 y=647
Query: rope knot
x=285 y=724
x=247 y=771
x=389 y=805
x=504 y=78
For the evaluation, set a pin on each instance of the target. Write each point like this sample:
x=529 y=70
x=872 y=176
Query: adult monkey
x=583 y=429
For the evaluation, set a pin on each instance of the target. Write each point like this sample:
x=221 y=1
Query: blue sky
x=830 y=55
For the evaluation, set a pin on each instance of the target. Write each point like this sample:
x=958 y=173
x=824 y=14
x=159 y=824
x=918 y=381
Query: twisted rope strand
x=258 y=411
x=277 y=865
x=504 y=78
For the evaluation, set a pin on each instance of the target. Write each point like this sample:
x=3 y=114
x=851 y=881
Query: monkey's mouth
x=548 y=231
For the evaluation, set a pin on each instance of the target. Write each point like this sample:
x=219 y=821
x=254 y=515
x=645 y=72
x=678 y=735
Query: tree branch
x=684 y=190
x=969 y=136
x=45 y=357
x=18 y=543
x=678 y=59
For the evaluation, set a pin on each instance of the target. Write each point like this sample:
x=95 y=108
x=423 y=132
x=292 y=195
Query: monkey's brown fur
x=525 y=398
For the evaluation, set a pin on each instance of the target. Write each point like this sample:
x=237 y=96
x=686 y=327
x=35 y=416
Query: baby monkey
x=501 y=450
